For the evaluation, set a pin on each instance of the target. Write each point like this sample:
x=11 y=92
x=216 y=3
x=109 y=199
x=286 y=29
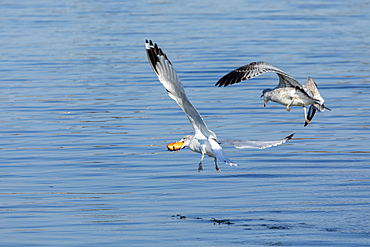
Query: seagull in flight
x=204 y=141
x=288 y=92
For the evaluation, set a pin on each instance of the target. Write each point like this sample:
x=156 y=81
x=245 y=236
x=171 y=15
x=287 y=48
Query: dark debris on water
x=215 y=221
x=226 y=222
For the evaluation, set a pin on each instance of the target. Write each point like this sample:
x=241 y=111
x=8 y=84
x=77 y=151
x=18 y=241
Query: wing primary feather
x=153 y=59
x=252 y=70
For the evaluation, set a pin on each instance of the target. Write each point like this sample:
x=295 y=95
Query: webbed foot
x=200 y=167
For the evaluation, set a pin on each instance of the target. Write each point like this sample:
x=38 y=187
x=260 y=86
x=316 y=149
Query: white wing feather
x=255 y=144
x=170 y=80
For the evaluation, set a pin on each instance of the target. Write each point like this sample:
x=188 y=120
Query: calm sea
x=85 y=123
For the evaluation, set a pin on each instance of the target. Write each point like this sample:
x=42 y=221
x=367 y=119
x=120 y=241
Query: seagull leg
x=305 y=115
x=287 y=107
x=217 y=169
x=200 y=167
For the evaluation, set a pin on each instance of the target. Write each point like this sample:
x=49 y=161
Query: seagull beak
x=264 y=101
x=326 y=108
x=175 y=146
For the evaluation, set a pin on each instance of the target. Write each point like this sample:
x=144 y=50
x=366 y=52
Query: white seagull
x=204 y=141
x=288 y=92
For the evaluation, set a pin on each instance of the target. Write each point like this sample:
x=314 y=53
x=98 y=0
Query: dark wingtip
x=223 y=83
x=151 y=53
x=289 y=137
x=219 y=83
x=226 y=80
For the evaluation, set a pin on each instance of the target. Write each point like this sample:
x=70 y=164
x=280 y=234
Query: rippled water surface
x=85 y=123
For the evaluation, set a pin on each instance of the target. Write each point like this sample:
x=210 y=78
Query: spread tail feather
x=219 y=153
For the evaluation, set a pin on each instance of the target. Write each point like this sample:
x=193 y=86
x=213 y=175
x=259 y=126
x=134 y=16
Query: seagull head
x=186 y=140
x=266 y=95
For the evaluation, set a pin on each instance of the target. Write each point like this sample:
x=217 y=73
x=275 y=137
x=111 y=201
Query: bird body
x=284 y=96
x=288 y=92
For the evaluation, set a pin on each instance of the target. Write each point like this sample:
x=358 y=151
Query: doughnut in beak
x=175 y=146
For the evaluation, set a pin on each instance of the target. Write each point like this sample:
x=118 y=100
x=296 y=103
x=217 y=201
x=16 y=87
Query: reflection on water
x=85 y=124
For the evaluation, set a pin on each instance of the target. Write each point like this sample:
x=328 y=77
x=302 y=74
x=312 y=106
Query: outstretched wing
x=255 y=69
x=256 y=144
x=170 y=80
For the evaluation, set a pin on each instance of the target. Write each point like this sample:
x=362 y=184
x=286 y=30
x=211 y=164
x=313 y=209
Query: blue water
x=85 y=123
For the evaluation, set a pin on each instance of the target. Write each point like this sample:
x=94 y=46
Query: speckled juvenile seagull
x=204 y=141
x=288 y=92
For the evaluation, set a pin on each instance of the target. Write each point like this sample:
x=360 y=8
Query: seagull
x=204 y=141
x=288 y=92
